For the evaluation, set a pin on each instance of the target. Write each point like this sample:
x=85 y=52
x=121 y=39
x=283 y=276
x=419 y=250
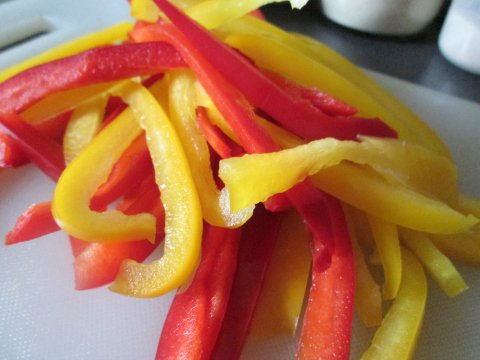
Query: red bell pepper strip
x=315 y=97
x=256 y=246
x=299 y=117
x=11 y=154
x=195 y=316
x=36 y=221
x=217 y=140
x=97 y=264
x=103 y=64
x=327 y=322
x=133 y=166
x=40 y=149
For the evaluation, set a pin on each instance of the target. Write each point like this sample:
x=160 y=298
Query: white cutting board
x=29 y=27
x=43 y=318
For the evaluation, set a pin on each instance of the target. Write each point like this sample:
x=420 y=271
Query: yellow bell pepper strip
x=79 y=181
x=396 y=338
x=404 y=120
x=388 y=246
x=102 y=37
x=464 y=247
x=285 y=282
x=368 y=296
x=64 y=101
x=82 y=127
x=248 y=186
x=215 y=206
x=437 y=264
x=183 y=215
x=392 y=203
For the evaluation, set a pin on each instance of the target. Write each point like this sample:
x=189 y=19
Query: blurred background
x=415 y=58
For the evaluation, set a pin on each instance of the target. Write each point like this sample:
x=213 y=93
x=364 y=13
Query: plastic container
x=384 y=17
x=459 y=39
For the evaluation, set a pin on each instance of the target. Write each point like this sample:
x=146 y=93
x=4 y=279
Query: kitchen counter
x=416 y=59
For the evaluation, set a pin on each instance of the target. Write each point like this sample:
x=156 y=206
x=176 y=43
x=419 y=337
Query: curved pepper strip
x=442 y=270
x=463 y=247
x=93 y=66
x=387 y=244
x=397 y=336
x=183 y=215
x=79 y=181
x=215 y=207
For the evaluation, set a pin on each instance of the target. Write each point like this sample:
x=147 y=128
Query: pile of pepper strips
x=170 y=112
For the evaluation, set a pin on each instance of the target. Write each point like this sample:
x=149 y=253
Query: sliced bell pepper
x=36 y=221
x=11 y=154
x=327 y=322
x=97 y=264
x=463 y=247
x=40 y=149
x=97 y=38
x=70 y=204
x=182 y=104
x=259 y=236
x=302 y=119
x=403 y=120
x=103 y=64
x=442 y=270
x=397 y=335
x=183 y=216
x=195 y=316
x=133 y=165
x=388 y=246
x=82 y=127
x=281 y=300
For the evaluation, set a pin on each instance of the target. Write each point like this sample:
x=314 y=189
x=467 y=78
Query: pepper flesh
x=183 y=216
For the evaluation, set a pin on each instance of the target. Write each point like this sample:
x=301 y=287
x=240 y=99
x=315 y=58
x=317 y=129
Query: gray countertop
x=415 y=59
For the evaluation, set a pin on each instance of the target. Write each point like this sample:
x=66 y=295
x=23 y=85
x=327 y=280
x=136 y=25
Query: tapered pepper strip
x=98 y=263
x=281 y=300
x=256 y=247
x=182 y=104
x=195 y=316
x=303 y=120
x=397 y=336
x=388 y=246
x=44 y=152
x=439 y=266
x=36 y=221
x=93 y=66
x=388 y=202
x=183 y=216
x=70 y=205
x=327 y=322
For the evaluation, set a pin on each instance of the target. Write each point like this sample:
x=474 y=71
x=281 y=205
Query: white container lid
x=392 y=17
x=459 y=39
